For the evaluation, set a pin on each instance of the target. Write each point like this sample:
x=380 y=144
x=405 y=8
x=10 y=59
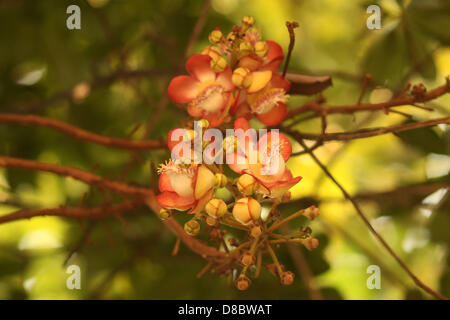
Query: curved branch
x=365 y=133
x=84 y=176
x=81 y=134
x=383 y=242
x=73 y=213
x=400 y=101
x=192 y=243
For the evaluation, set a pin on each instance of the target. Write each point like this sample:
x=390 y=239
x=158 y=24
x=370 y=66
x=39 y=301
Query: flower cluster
x=235 y=78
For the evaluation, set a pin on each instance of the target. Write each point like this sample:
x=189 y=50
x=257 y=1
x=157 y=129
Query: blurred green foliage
x=41 y=59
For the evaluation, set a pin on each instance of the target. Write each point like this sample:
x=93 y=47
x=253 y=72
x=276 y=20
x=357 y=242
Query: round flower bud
x=287 y=278
x=203 y=123
x=213 y=52
x=245 y=47
x=164 y=214
x=218 y=64
x=256 y=231
x=231 y=37
x=248 y=20
x=310 y=243
x=247 y=259
x=242 y=77
x=215 y=36
x=246 y=210
x=210 y=221
x=261 y=49
x=247 y=185
x=216 y=208
x=229 y=144
x=220 y=180
x=311 y=213
x=243 y=282
x=192 y=227
x=189 y=135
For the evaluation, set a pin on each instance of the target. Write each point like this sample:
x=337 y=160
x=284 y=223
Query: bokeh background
x=401 y=181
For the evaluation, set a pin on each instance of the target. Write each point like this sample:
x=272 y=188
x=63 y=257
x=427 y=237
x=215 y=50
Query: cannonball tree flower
x=265 y=160
x=208 y=93
x=267 y=55
x=185 y=187
x=267 y=103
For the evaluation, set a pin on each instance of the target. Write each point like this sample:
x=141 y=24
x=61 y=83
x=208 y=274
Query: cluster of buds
x=235 y=77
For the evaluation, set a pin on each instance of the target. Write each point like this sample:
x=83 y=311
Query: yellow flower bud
x=220 y=180
x=210 y=221
x=164 y=214
x=246 y=210
x=245 y=47
x=215 y=36
x=231 y=37
x=248 y=20
x=189 y=135
x=216 y=208
x=247 y=185
x=212 y=51
x=261 y=48
x=229 y=144
x=192 y=227
x=204 y=123
x=218 y=64
x=242 y=77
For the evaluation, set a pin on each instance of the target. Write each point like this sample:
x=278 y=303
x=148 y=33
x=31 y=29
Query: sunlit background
x=130 y=257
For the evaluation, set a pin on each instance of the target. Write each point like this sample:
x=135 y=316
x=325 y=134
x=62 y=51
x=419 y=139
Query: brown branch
x=366 y=133
x=198 y=27
x=81 y=134
x=74 y=213
x=400 y=101
x=303 y=268
x=84 y=176
x=290 y=26
x=416 y=280
x=192 y=243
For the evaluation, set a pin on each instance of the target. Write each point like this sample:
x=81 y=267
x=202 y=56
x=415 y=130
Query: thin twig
x=81 y=134
x=290 y=26
x=418 y=282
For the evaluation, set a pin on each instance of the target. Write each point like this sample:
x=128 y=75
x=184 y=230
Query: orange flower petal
x=274 y=116
x=199 y=66
x=260 y=80
x=171 y=200
x=183 y=89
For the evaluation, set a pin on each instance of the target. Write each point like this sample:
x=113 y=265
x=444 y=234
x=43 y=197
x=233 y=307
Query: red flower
x=185 y=187
x=271 y=61
x=268 y=104
x=254 y=158
x=207 y=93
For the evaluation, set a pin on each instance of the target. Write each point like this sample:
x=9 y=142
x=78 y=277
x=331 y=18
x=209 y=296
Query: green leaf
x=387 y=58
x=432 y=16
x=424 y=139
